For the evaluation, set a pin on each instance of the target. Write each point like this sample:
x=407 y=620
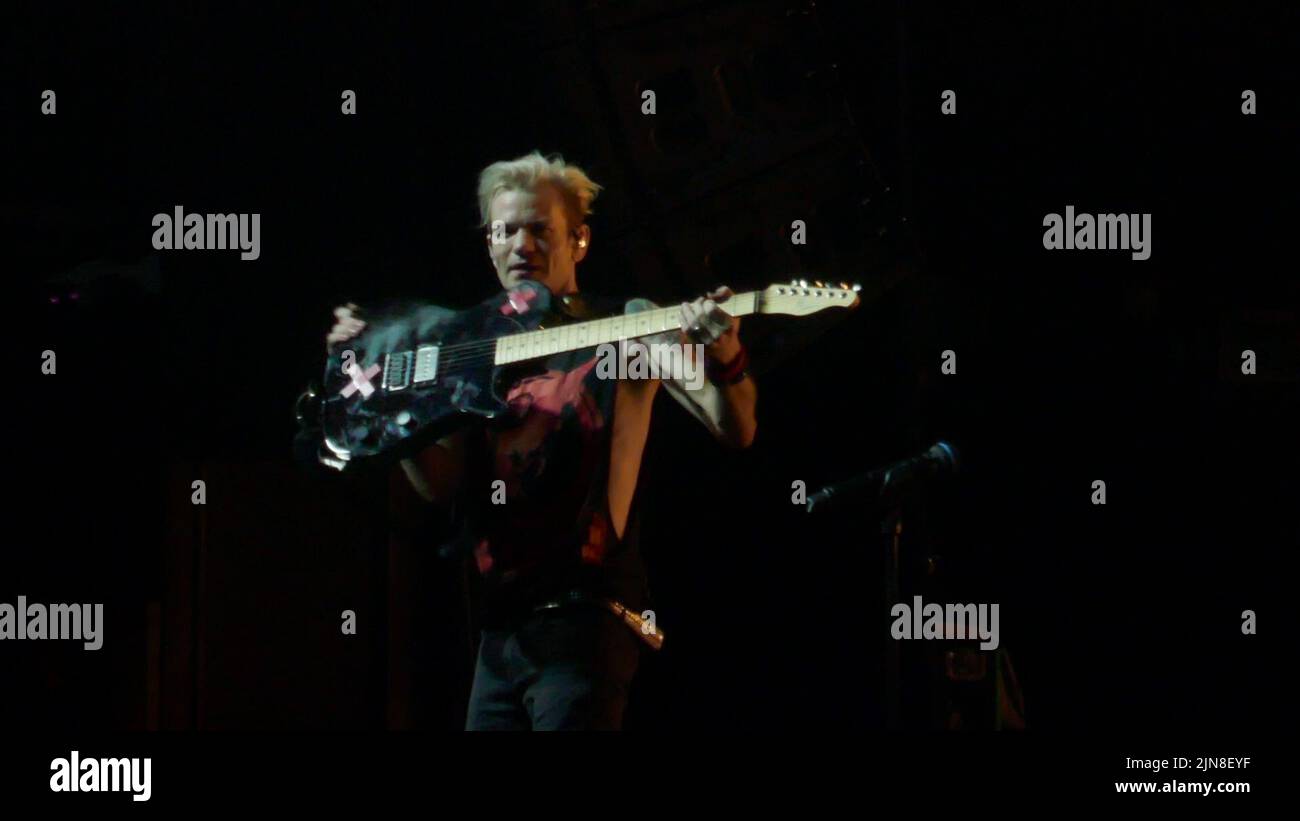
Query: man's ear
x=582 y=241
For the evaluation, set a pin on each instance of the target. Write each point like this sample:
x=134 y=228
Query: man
x=552 y=655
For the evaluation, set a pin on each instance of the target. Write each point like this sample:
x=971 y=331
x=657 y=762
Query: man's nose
x=524 y=243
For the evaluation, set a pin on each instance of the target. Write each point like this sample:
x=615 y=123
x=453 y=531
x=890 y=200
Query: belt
x=644 y=628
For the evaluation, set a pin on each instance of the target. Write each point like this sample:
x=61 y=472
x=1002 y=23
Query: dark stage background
x=1072 y=367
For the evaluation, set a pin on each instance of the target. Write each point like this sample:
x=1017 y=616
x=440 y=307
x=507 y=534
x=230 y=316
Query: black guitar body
x=417 y=374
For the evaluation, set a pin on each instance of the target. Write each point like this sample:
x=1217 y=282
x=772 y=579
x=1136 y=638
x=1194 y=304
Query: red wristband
x=732 y=372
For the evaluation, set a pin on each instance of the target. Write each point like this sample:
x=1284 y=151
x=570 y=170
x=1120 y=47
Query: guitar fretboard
x=579 y=335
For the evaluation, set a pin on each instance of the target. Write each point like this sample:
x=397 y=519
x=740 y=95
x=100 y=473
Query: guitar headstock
x=802 y=297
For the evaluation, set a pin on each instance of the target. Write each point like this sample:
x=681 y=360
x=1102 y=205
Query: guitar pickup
x=426 y=364
x=397 y=370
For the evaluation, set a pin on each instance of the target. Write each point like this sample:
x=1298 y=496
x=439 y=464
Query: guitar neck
x=579 y=335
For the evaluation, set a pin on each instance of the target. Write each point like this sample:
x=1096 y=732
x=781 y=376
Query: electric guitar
x=416 y=376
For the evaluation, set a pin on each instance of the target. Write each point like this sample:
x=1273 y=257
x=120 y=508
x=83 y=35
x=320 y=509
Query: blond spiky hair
x=526 y=172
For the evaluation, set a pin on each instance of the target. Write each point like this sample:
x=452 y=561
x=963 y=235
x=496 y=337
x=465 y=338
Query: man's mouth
x=527 y=271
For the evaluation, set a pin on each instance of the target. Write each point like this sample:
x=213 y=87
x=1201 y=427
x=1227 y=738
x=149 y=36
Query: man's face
x=538 y=242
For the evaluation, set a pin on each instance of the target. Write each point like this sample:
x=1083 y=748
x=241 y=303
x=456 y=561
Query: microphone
x=888 y=483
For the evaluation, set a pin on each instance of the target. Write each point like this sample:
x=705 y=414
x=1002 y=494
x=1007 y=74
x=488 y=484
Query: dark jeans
x=563 y=669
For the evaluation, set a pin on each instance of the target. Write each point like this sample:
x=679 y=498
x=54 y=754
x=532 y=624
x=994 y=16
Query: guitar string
x=464 y=353
x=482 y=344
x=458 y=352
x=463 y=357
x=484 y=350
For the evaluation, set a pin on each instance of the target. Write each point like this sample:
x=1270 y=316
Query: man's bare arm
x=436 y=471
x=726 y=409
x=738 y=423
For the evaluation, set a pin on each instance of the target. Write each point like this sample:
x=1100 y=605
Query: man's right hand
x=347 y=326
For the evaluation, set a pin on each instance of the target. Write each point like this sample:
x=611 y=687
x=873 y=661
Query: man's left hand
x=704 y=322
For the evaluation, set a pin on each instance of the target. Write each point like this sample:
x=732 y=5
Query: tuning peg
x=856 y=287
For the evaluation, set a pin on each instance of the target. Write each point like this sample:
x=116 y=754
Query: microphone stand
x=891 y=526
x=890 y=487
